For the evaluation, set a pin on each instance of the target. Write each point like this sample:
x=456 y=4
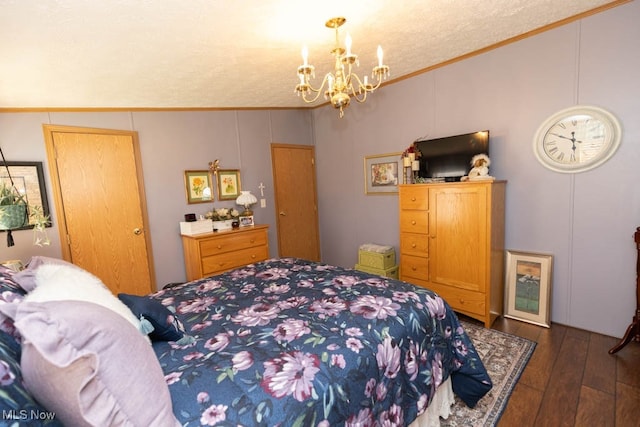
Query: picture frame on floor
x=528 y=287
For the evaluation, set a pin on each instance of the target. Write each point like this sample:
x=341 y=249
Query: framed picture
x=28 y=179
x=528 y=287
x=228 y=184
x=382 y=173
x=198 y=186
x=246 y=221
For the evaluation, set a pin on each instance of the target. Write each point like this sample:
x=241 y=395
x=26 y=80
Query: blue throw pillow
x=166 y=327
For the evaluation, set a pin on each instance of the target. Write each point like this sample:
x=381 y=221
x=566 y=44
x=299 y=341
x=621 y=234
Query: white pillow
x=59 y=282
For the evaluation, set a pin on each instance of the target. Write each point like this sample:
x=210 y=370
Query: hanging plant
x=15 y=212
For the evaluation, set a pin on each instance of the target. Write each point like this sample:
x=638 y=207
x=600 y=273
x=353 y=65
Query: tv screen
x=449 y=158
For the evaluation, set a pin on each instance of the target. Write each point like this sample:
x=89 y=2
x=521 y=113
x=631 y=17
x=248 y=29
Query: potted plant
x=15 y=213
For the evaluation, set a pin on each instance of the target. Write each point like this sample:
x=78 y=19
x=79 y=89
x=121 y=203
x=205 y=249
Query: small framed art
x=528 y=287
x=198 y=186
x=246 y=221
x=228 y=184
x=382 y=173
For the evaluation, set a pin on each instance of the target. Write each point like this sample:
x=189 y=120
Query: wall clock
x=577 y=139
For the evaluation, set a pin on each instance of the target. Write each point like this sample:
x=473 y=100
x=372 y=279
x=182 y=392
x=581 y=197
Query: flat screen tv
x=449 y=158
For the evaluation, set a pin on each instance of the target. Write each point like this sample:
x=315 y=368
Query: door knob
x=137 y=231
x=282 y=213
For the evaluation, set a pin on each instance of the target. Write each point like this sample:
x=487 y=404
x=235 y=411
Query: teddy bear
x=480 y=168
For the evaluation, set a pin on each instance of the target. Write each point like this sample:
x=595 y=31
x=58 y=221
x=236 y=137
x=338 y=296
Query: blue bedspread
x=288 y=342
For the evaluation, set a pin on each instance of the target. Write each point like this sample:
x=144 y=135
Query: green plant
x=10 y=196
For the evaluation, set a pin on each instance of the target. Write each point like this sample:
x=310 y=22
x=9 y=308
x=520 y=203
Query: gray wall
x=170 y=143
x=585 y=220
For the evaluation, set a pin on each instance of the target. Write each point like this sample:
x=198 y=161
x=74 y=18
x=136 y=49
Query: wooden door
x=99 y=196
x=294 y=178
x=458 y=254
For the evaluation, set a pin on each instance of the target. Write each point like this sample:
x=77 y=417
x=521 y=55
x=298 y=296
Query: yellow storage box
x=376 y=256
x=388 y=272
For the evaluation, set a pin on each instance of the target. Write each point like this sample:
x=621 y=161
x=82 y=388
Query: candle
x=330 y=79
x=305 y=55
x=347 y=41
x=406 y=162
x=412 y=156
x=415 y=165
x=379 y=56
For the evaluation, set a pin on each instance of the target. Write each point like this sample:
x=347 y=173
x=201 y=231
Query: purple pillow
x=90 y=366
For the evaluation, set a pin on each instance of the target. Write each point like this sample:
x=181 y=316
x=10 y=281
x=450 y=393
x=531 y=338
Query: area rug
x=505 y=356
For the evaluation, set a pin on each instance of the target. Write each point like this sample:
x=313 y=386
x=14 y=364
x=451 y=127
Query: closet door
x=99 y=195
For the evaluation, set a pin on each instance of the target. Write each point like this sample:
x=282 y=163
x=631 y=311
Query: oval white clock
x=577 y=139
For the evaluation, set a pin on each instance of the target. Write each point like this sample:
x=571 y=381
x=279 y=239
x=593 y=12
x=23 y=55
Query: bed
x=284 y=342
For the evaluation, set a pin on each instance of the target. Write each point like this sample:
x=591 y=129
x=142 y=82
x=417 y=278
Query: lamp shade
x=246 y=199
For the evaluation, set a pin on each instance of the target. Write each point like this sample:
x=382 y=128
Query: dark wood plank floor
x=572 y=380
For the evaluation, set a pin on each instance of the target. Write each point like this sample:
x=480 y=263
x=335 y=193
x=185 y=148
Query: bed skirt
x=440 y=406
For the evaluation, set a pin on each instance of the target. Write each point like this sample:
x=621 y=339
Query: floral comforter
x=288 y=342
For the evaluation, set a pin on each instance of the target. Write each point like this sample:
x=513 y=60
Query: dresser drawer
x=229 y=260
x=461 y=299
x=414 y=222
x=414 y=197
x=414 y=244
x=232 y=242
x=414 y=267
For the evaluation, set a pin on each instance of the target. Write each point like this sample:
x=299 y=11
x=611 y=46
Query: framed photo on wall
x=528 y=287
x=382 y=173
x=229 y=185
x=198 y=186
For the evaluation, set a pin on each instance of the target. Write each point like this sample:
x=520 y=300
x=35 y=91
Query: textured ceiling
x=234 y=54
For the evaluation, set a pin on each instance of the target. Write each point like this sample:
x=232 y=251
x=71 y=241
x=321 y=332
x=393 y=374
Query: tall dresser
x=452 y=242
x=214 y=253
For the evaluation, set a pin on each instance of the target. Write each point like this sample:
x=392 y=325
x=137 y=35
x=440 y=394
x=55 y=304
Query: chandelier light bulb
x=379 y=56
x=347 y=42
x=305 y=56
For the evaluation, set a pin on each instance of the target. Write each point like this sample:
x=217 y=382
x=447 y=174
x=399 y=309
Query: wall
x=170 y=143
x=585 y=220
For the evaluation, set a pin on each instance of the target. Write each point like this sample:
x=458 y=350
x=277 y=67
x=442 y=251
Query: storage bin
x=385 y=272
x=376 y=256
x=196 y=227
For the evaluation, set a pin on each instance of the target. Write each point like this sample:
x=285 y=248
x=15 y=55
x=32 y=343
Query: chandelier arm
x=317 y=91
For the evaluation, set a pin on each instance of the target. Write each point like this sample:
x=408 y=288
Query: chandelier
x=342 y=84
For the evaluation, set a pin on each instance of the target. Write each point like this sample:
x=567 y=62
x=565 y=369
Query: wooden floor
x=572 y=380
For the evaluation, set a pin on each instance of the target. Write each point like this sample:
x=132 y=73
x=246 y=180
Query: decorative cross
x=261 y=187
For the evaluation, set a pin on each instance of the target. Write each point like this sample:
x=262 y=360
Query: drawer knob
x=413 y=222
x=461 y=301
x=252 y=240
x=253 y=257
x=413 y=269
x=219 y=246
x=413 y=245
x=413 y=199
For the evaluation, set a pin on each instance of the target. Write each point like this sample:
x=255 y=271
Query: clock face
x=577 y=139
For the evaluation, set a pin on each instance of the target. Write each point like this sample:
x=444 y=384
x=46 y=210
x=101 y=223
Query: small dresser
x=216 y=252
